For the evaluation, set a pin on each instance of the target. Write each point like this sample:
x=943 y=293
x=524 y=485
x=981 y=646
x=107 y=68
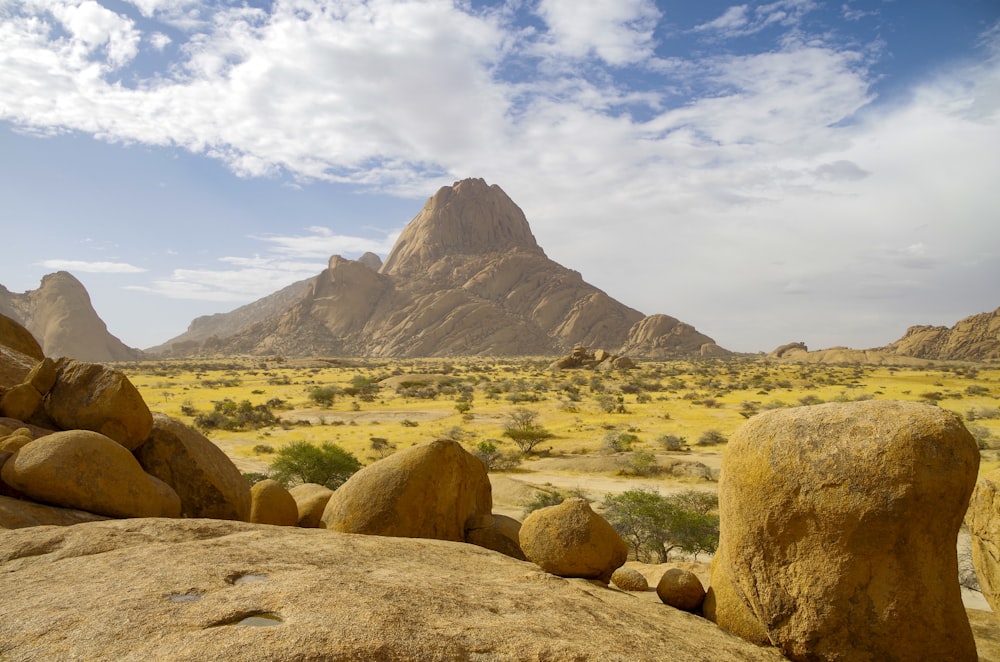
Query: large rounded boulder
x=89 y=396
x=838 y=530
x=571 y=540
x=207 y=481
x=87 y=471
x=436 y=490
x=310 y=502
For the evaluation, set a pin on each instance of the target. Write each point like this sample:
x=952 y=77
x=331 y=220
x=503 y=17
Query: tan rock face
x=207 y=481
x=571 y=540
x=19 y=514
x=501 y=537
x=436 y=490
x=14 y=367
x=20 y=402
x=680 y=589
x=16 y=337
x=177 y=589
x=310 y=502
x=84 y=470
x=89 y=396
x=983 y=519
x=975 y=338
x=838 y=530
x=270 y=503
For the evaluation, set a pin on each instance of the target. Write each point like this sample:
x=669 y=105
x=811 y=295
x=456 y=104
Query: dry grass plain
x=470 y=400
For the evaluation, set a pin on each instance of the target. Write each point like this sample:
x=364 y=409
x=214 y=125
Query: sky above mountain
x=794 y=170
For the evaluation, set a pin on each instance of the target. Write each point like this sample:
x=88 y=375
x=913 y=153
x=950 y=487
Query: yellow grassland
x=656 y=399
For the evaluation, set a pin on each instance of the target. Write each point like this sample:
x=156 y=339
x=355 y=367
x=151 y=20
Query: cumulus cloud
x=746 y=175
x=92 y=267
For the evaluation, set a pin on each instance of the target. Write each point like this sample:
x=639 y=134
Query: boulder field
x=125 y=535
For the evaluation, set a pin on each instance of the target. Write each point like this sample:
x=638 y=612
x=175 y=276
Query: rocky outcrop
x=205 y=479
x=327 y=596
x=664 y=337
x=85 y=470
x=466 y=277
x=838 y=531
x=592 y=359
x=975 y=338
x=571 y=540
x=60 y=316
x=436 y=490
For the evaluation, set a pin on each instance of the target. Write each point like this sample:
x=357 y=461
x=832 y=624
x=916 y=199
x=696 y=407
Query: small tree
x=549 y=498
x=494 y=458
x=523 y=431
x=672 y=442
x=302 y=462
x=711 y=438
x=324 y=395
x=654 y=525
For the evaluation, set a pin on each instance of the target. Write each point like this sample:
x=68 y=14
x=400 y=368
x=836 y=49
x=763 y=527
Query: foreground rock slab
x=838 y=531
x=155 y=589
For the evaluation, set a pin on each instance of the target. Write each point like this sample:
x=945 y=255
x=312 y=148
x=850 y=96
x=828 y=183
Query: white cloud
x=743 y=20
x=618 y=32
x=289 y=258
x=92 y=267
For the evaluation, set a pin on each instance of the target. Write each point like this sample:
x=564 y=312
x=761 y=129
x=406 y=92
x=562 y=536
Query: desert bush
x=261 y=449
x=407 y=423
x=711 y=438
x=381 y=446
x=640 y=463
x=619 y=442
x=544 y=499
x=363 y=388
x=672 y=442
x=301 y=462
x=254 y=477
x=230 y=415
x=653 y=525
x=981 y=434
x=495 y=459
x=324 y=395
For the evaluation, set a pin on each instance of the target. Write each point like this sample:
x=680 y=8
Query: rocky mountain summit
x=465 y=277
x=60 y=316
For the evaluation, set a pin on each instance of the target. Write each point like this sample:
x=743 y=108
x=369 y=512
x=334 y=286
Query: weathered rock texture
x=205 y=479
x=681 y=589
x=502 y=536
x=60 y=316
x=466 y=277
x=571 y=540
x=838 y=530
x=270 y=503
x=310 y=502
x=84 y=470
x=975 y=338
x=664 y=337
x=629 y=579
x=983 y=519
x=437 y=490
x=89 y=396
x=19 y=514
x=102 y=591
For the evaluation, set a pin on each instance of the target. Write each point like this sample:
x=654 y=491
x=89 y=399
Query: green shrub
x=302 y=462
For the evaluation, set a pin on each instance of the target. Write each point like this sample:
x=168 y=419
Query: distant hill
x=465 y=277
x=975 y=338
x=60 y=316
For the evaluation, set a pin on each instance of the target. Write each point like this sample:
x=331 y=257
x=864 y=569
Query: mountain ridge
x=465 y=277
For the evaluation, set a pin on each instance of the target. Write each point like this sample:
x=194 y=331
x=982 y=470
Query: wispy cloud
x=743 y=20
x=287 y=259
x=92 y=267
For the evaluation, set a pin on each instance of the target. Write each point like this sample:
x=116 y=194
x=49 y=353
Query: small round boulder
x=681 y=589
x=629 y=579
x=270 y=503
x=571 y=540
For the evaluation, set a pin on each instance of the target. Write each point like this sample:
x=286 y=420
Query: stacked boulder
x=78 y=442
x=588 y=359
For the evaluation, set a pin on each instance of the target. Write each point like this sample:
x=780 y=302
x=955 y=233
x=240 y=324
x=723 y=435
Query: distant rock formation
x=60 y=316
x=975 y=338
x=466 y=277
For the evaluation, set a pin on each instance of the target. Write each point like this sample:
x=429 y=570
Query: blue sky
x=793 y=170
